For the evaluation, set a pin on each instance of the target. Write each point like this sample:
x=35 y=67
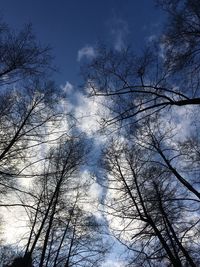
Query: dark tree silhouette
x=61 y=231
x=156 y=80
x=21 y=56
x=153 y=167
x=20 y=261
x=149 y=206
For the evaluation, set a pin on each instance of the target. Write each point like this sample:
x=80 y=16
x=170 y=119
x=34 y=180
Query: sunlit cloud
x=113 y=263
x=88 y=111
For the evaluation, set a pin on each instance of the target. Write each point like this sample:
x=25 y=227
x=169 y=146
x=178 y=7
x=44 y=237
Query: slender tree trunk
x=70 y=248
x=64 y=234
x=48 y=231
x=184 y=251
x=33 y=226
x=177 y=175
x=175 y=262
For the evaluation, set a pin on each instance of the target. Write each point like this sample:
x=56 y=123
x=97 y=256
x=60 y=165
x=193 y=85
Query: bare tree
x=21 y=56
x=27 y=98
x=182 y=34
x=62 y=232
x=149 y=208
x=29 y=113
x=153 y=178
x=144 y=84
x=26 y=116
x=28 y=102
x=165 y=75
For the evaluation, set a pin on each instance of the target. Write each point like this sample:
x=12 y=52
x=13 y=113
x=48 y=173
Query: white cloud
x=112 y=263
x=87 y=113
x=95 y=191
x=87 y=110
x=86 y=52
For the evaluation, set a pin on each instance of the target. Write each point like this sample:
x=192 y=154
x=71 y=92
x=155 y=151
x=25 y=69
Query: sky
x=73 y=27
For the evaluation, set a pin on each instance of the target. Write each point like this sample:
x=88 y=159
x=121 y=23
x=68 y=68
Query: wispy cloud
x=119 y=31
x=67 y=88
x=86 y=52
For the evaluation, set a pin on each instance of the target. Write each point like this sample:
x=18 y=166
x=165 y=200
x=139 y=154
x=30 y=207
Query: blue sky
x=69 y=25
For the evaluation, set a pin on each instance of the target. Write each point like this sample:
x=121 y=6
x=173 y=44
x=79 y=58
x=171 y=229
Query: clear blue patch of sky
x=68 y=25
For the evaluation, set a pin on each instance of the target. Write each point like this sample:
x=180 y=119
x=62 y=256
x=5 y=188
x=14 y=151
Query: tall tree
x=21 y=55
x=148 y=207
x=63 y=233
x=152 y=167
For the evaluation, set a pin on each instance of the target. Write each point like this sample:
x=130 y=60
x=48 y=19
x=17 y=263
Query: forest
x=144 y=162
